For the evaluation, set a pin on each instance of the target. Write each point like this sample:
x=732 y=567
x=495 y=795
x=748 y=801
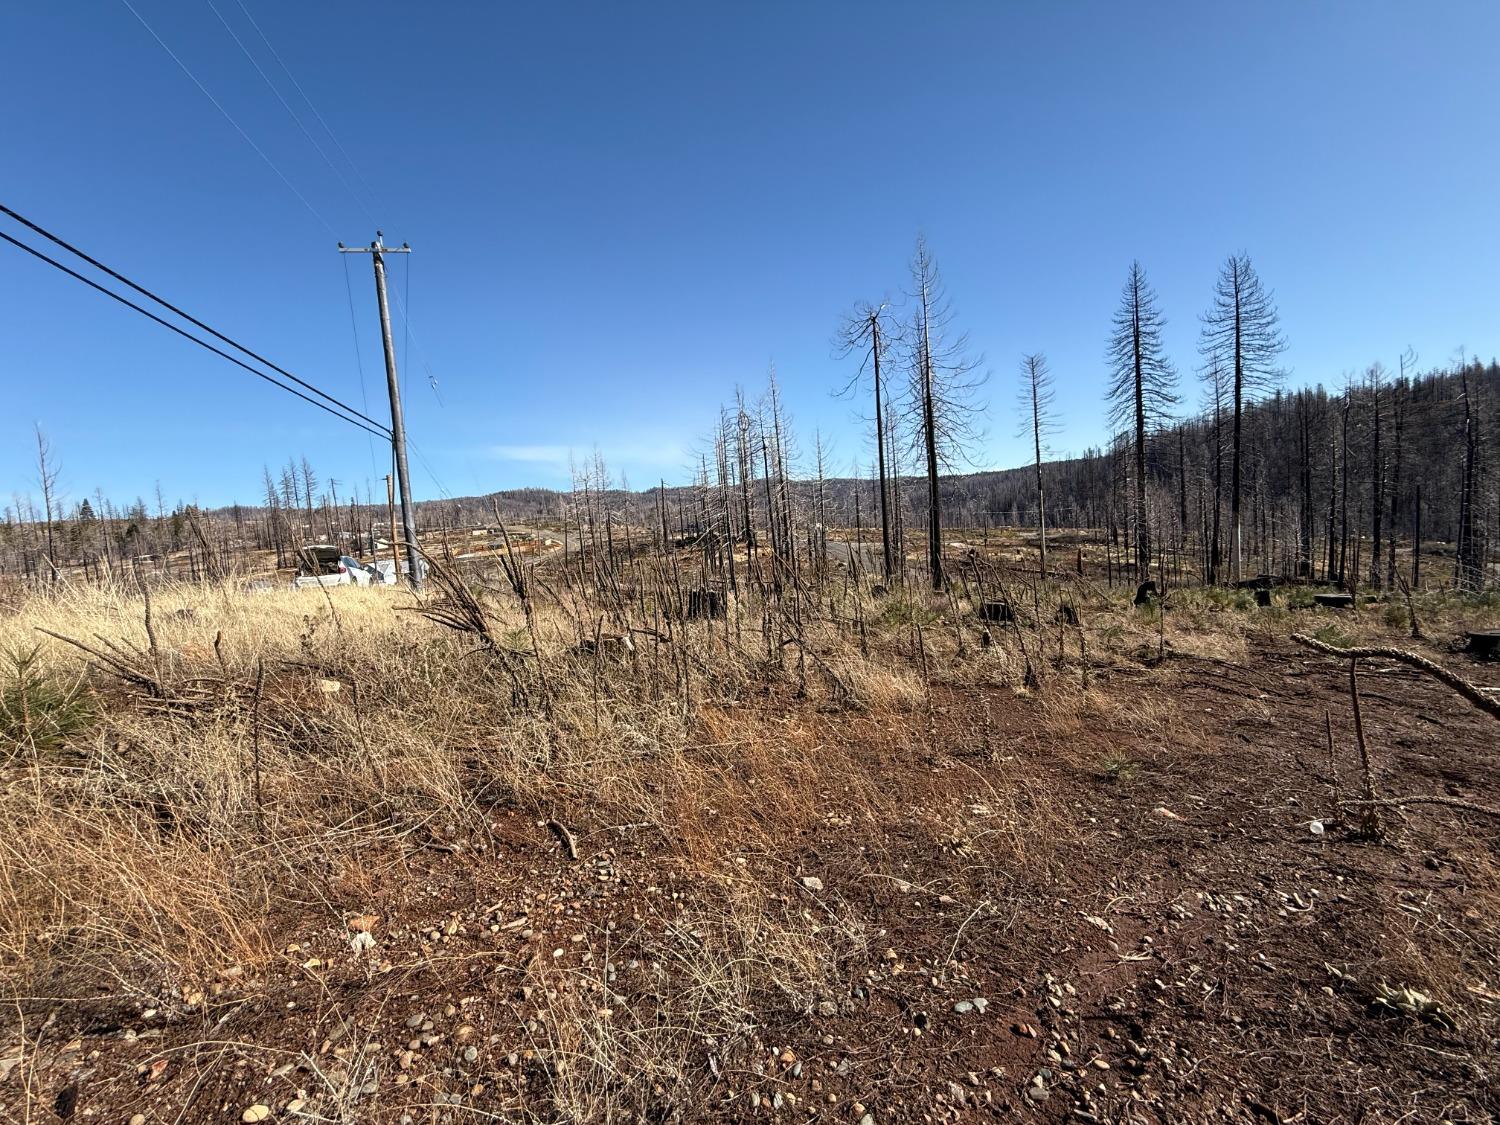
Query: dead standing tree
x=1377 y=473
x=1036 y=403
x=1241 y=327
x=1140 y=390
x=1468 y=559
x=866 y=332
x=47 y=473
x=941 y=404
x=1399 y=393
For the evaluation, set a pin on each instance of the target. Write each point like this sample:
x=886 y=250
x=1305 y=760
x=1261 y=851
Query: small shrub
x=1117 y=768
x=37 y=709
x=1300 y=597
x=906 y=610
x=1331 y=634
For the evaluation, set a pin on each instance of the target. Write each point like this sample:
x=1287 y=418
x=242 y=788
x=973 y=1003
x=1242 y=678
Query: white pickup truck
x=326 y=565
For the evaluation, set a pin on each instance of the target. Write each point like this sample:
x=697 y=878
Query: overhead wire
x=359 y=360
x=128 y=303
x=266 y=78
x=426 y=465
x=410 y=334
x=230 y=118
x=310 y=105
x=164 y=303
x=416 y=340
x=403 y=300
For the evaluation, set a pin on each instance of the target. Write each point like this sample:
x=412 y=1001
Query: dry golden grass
x=161 y=850
x=157 y=848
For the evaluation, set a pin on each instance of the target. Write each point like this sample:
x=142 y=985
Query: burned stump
x=996 y=611
x=704 y=604
x=1484 y=644
x=1146 y=592
x=1065 y=615
x=1334 y=601
x=1261 y=582
x=1263 y=597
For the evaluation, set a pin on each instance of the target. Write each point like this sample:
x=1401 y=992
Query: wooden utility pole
x=377 y=251
x=390 y=510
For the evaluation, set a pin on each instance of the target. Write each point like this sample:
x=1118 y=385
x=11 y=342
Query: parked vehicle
x=326 y=565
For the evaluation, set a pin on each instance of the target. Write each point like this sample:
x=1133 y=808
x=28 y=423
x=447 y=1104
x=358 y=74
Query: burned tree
x=1377 y=473
x=1036 y=402
x=865 y=332
x=46 y=476
x=1399 y=394
x=941 y=400
x=1140 y=390
x=1241 y=328
x=1468 y=562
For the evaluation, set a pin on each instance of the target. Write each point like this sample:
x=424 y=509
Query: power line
x=227 y=117
x=359 y=361
x=321 y=121
x=55 y=239
x=266 y=78
x=428 y=468
x=413 y=339
x=187 y=335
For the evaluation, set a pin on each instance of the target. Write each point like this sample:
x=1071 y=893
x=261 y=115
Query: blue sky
x=621 y=211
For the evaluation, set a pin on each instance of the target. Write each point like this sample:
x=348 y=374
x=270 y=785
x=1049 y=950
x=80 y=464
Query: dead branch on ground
x=1472 y=692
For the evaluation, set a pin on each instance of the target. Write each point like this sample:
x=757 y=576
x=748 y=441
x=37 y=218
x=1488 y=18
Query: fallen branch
x=119 y=665
x=1449 y=802
x=1473 y=693
x=565 y=836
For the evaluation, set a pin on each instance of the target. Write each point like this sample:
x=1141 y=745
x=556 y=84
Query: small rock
x=812 y=882
x=257 y=1112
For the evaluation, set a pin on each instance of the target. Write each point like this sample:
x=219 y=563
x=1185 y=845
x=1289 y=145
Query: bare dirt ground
x=1164 y=935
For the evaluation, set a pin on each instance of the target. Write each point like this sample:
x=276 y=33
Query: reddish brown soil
x=1177 y=945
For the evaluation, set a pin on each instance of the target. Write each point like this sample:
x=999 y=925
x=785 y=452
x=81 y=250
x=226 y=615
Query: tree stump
x=1065 y=615
x=996 y=611
x=1334 y=601
x=1485 y=644
x=1146 y=592
x=1263 y=597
